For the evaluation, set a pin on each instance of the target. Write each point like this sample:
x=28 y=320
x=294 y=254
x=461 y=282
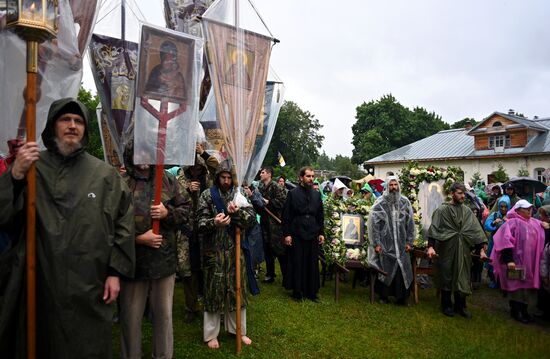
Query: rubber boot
x=460 y=305
x=446 y=303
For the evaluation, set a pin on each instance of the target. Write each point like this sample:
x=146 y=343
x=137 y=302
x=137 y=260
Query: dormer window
x=497 y=124
x=499 y=141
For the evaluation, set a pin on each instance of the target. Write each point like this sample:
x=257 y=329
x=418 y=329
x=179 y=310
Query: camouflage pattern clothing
x=188 y=242
x=218 y=253
x=271 y=229
x=158 y=263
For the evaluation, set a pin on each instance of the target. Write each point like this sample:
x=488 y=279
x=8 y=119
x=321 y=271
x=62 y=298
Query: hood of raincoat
x=504 y=199
x=173 y=171
x=387 y=187
x=199 y=162
x=367 y=188
x=61 y=107
x=129 y=165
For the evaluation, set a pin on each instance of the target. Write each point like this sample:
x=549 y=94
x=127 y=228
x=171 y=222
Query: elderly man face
x=69 y=131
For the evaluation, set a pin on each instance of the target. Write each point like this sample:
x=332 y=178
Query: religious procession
x=157 y=217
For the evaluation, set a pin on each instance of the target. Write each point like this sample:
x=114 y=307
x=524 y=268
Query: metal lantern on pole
x=35 y=21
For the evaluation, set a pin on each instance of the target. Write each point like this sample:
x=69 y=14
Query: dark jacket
x=303 y=214
x=84 y=232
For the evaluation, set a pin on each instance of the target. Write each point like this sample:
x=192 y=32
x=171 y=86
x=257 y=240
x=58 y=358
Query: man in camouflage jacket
x=193 y=181
x=270 y=211
x=155 y=259
x=217 y=226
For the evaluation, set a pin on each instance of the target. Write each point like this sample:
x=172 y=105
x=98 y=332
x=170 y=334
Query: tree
x=296 y=137
x=95 y=146
x=462 y=123
x=500 y=174
x=385 y=125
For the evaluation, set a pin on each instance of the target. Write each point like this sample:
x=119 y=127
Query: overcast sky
x=459 y=59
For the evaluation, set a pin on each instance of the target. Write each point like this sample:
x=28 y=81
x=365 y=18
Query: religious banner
x=238 y=62
x=274 y=92
x=59 y=70
x=114 y=67
x=430 y=196
x=110 y=150
x=182 y=15
x=167 y=97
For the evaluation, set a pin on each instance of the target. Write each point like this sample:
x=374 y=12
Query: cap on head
x=523 y=204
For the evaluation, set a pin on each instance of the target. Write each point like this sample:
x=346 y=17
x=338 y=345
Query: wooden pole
x=159 y=168
x=238 y=288
x=30 y=103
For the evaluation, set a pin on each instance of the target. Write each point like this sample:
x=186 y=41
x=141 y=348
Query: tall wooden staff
x=34 y=22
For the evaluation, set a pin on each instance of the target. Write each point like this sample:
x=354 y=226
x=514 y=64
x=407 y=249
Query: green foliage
x=355 y=328
x=523 y=172
x=289 y=172
x=385 y=125
x=500 y=174
x=462 y=123
x=342 y=165
x=95 y=148
x=296 y=137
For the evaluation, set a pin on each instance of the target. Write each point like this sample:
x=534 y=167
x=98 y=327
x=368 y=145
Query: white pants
x=212 y=323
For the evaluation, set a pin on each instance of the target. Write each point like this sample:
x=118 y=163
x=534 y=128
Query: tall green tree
x=385 y=124
x=296 y=137
x=95 y=147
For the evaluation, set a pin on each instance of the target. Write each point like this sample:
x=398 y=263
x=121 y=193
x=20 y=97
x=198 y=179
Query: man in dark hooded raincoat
x=391 y=234
x=453 y=234
x=84 y=238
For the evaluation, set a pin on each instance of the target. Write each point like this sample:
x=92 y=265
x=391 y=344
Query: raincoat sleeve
x=375 y=226
x=489 y=223
x=278 y=198
x=12 y=199
x=122 y=259
x=504 y=237
x=244 y=218
x=411 y=228
x=205 y=217
x=439 y=231
x=179 y=206
x=211 y=162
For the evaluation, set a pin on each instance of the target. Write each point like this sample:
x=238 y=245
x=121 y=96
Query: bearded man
x=453 y=234
x=391 y=233
x=85 y=242
x=217 y=217
x=303 y=230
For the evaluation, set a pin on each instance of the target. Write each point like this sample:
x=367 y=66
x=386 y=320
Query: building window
x=500 y=141
x=497 y=124
x=538 y=175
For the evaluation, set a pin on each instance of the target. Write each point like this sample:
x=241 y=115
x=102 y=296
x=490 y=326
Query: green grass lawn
x=281 y=328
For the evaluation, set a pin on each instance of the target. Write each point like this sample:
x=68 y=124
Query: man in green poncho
x=453 y=234
x=84 y=239
x=217 y=217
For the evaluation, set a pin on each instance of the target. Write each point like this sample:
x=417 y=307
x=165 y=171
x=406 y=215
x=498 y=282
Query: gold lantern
x=33 y=20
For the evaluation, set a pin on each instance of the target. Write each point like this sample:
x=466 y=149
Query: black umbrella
x=534 y=185
x=289 y=185
x=345 y=180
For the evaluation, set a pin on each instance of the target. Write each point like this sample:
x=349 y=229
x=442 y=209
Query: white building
x=516 y=142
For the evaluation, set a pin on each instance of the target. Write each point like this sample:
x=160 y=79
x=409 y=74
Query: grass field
x=281 y=328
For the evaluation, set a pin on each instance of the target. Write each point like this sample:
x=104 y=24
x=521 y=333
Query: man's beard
x=67 y=148
x=393 y=196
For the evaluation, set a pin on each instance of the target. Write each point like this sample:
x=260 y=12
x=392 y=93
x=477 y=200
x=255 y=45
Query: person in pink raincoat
x=518 y=246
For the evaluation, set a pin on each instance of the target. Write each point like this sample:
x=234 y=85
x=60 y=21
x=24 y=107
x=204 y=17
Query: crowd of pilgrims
x=284 y=223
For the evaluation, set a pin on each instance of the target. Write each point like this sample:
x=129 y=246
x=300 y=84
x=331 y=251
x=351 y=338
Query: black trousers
x=396 y=288
x=303 y=268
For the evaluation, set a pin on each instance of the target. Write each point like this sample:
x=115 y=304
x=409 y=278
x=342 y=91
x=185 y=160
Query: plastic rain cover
x=59 y=73
x=274 y=92
x=238 y=63
x=114 y=67
x=391 y=225
x=166 y=113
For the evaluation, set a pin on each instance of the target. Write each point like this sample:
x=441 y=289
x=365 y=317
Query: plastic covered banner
x=182 y=15
x=274 y=92
x=114 y=67
x=59 y=70
x=166 y=114
x=111 y=152
x=238 y=63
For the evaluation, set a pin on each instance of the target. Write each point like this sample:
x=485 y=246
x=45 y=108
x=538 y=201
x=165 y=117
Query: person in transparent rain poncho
x=391 y=233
